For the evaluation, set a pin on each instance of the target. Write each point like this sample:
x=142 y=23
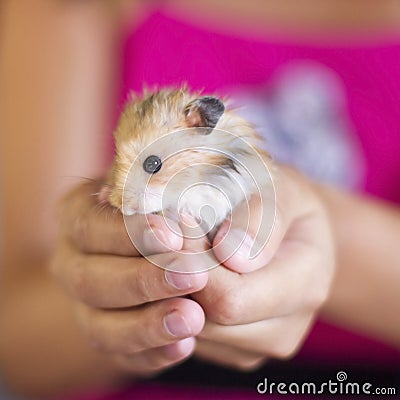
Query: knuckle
x=318 y=297
x=80 y=231
x=229 y=307
x=63 y=267
x=129 y=346
x=79 y=279
x=67 y=205
x=81 y=284
x=141 y=286
x=318 y=292
x=141 y=340
x=95 y=343
x=89 y=326
x=286 y=349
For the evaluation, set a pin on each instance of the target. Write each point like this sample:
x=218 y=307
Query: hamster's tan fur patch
x=147 y=118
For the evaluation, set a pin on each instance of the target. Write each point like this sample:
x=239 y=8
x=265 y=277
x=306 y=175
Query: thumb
x=194 y=238
x=250 y=238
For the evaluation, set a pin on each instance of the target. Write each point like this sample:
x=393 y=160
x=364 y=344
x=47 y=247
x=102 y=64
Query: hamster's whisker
x=104 y=207
x=100 y=207
x=86 y=178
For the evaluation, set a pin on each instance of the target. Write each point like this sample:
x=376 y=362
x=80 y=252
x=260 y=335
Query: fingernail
x=242 y=242
x=179 y=281
x=175 y=324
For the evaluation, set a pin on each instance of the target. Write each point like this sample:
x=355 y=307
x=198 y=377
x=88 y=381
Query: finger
x=195 y=256
x=228 y=356
x=275 y=337
x=128 y=332
x=149 y=362
x=105 y=281
x=233 y=243
x=194 y=238
x=96 y=227
x=297 y=278
x=250 y=240
x=186 y=262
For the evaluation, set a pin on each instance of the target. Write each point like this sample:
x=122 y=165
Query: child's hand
x=126 y=306
x=264 y=307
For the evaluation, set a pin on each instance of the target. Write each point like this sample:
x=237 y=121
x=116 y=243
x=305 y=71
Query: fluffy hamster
x=179 y=151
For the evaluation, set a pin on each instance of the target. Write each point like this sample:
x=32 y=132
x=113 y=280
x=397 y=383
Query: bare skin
x=62 y=98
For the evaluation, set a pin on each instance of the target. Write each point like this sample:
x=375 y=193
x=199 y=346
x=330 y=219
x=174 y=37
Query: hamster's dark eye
x=152 y=164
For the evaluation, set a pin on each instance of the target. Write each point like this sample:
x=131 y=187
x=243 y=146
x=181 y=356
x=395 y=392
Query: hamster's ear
x=204 y=112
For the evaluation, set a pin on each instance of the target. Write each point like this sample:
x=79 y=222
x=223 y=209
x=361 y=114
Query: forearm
x=42 y=351
x=366 y=292
x=58 y=82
